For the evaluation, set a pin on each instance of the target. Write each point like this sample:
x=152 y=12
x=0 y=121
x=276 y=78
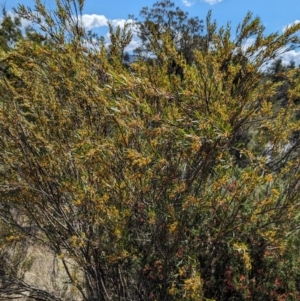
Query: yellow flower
x=243 y=250
x=173 y=227
x=269 y=178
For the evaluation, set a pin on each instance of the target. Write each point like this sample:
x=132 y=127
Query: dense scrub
x=158 y=185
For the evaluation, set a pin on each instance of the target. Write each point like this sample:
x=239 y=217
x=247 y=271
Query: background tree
x=10 y=30
x=163 y=17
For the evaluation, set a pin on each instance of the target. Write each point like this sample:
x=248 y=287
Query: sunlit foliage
x=158 y=187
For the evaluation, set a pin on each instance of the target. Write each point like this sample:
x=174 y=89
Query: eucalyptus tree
x=163 y=17
x=10 y=30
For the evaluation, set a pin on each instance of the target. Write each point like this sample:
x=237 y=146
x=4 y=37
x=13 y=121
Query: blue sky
x=275 y=14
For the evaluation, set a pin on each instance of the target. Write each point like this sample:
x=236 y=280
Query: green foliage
x=120 y=39
x=163 y=18
x=135 y=174
x=10 y=30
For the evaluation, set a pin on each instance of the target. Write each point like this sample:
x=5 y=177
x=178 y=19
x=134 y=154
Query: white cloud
x=212 y=2
x=120 y=22
x=192 y=2
x=285 y=56
x=94 y=21
x=188 y=2
x=135 y=43
x=248 y=43
x=289 y=25
x=289 y=56
x=88 y=21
